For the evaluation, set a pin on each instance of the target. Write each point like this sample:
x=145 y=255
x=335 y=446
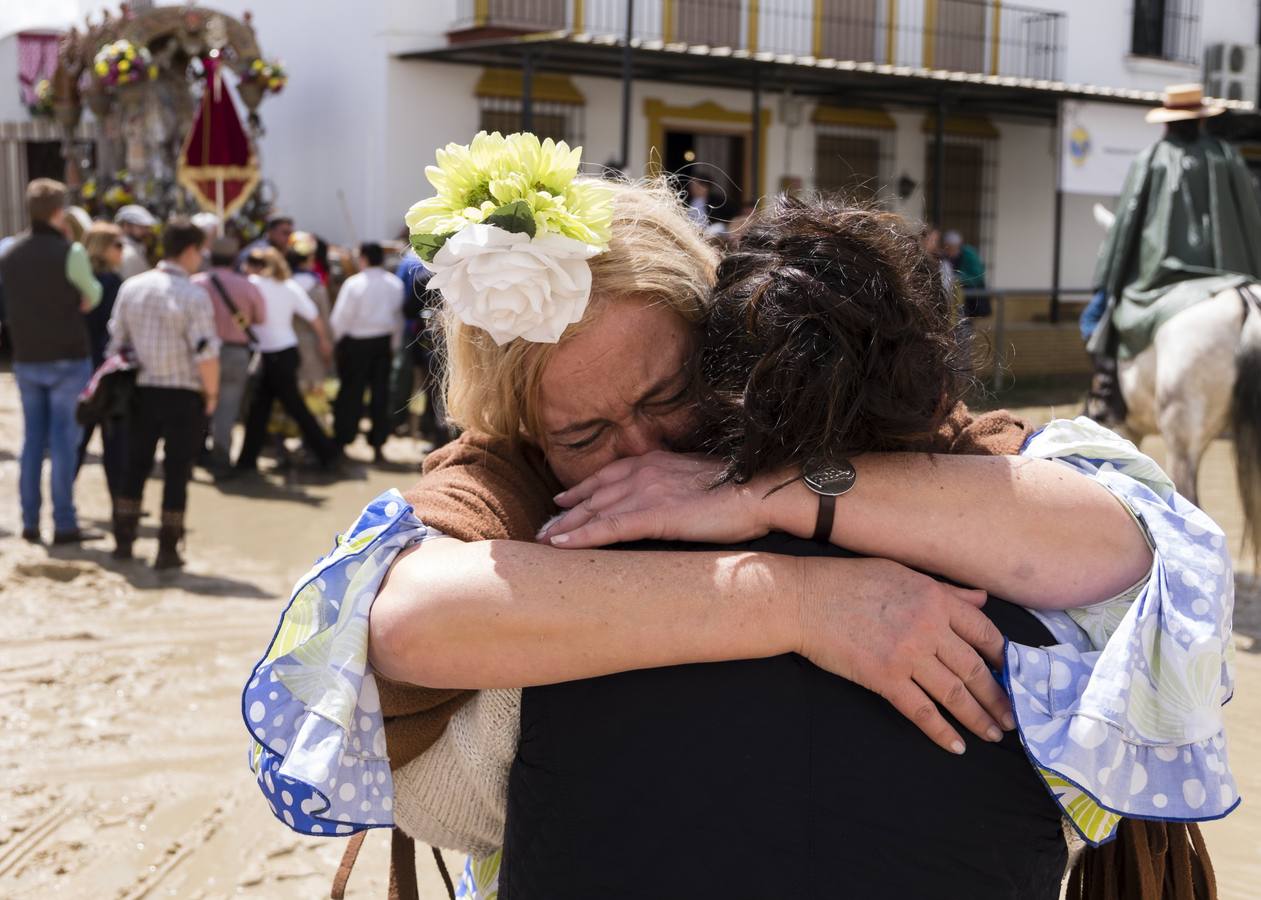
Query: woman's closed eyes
x=662 y=399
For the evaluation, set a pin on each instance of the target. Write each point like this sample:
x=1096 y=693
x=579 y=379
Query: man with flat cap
x=1187 y=225
x=137 y=225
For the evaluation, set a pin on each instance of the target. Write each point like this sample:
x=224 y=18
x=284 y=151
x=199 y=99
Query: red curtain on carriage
x=218 y=165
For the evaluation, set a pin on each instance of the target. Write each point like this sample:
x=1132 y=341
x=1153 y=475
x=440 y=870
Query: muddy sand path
x=122 y=752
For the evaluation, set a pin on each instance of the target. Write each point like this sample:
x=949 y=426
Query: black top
x=768 y=779
x=42 y=306
x=98 y=319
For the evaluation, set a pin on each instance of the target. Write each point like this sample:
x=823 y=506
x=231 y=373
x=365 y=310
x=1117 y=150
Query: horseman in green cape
x=1188 y=226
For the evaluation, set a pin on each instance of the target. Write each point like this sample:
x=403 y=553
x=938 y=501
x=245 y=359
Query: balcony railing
x=991 y=37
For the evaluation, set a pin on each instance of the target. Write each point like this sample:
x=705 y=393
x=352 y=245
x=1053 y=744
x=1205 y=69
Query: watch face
x=830 y=478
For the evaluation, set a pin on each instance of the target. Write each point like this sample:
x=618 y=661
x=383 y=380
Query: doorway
x=720 y=160
x=44 y=160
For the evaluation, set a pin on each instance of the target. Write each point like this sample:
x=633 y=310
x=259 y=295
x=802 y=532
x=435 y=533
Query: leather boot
x=170 y=534
x=126 y=524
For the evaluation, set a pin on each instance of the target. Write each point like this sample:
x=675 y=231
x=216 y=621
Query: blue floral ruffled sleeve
x=1123 y=716
x=311 y=705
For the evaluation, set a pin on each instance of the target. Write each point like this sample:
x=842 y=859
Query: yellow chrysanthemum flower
x=494 y=171
x=123 y=65
x=102 y=68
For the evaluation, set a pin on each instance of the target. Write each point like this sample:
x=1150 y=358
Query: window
x=558 y=121
x=847 y=30
x=1167 y=29
x=715 y=23
x=853 y=162
x=968 y=189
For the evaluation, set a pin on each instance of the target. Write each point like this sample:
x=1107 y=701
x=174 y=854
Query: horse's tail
x=1245 y=416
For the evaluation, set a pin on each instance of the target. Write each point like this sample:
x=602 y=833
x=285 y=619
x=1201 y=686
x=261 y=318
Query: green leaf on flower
x=428 y=245
x=515 y=217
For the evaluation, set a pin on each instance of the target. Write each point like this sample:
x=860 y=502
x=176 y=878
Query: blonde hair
x=657 y=255
x=274 y=265
x=98 y=241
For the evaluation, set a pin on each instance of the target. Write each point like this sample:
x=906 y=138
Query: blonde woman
x=549 y=393
x=278 y=343
x=104 y=244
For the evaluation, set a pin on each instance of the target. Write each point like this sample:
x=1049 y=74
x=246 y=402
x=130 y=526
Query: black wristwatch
x=828 y=480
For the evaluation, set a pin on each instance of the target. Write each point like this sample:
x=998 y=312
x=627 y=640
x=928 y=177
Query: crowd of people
x=172 y=332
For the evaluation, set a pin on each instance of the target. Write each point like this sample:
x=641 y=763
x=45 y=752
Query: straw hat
x=1181 y=102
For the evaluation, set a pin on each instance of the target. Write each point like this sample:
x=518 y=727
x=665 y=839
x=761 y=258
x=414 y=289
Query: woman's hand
x=657 y=496
x=909 y=638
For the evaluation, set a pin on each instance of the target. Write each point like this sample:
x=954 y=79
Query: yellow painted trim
x=667 y=20
x=930 y=32
x=854 y=116
x=481 y=12
x=507 y=84
x=816 y=47
x=962 y=126
x=994 y=38
x=188 y=176
x=754 y=23
x=580 y=16
x=708 y=113
x=890 y=36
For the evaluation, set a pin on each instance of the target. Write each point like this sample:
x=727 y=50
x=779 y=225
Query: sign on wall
x=1098 y=143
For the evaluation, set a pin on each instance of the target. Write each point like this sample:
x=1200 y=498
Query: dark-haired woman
x=681 y=787
x=104 y=243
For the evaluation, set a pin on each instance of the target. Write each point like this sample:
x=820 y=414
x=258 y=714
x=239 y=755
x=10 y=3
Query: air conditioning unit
x=1232 y=71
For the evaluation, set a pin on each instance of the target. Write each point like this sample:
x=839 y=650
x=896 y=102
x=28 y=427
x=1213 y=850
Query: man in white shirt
x=367 y=323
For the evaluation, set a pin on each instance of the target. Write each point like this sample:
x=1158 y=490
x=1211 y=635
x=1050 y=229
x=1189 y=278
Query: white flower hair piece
x=509 y=234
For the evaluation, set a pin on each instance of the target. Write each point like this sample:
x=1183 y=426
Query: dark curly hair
x=829 y=335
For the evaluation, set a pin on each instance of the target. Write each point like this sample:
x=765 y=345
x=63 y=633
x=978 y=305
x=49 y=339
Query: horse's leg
x=1184 y=445
x=1196 y=367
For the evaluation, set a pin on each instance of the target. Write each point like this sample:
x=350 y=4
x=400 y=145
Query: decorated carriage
x=160 y=82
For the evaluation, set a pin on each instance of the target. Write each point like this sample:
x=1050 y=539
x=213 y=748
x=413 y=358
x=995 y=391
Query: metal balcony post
x=755 y=152
x=627 y=81
x=939 y=163
x=527 y=91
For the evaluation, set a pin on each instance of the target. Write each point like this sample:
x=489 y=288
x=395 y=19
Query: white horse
x=1201 y=375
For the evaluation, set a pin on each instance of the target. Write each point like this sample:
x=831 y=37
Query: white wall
x=1098 y=41
x=431 y=105
x=11 y=107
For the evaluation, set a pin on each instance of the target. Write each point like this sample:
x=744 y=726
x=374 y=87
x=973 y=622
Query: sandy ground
x=122 y=753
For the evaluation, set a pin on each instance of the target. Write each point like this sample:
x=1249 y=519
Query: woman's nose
x=641 y=438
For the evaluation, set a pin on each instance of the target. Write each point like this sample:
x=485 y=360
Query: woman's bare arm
x=1029 y=530
x=512 y=614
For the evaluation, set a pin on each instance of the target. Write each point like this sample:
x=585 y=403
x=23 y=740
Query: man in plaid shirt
x=168 y=323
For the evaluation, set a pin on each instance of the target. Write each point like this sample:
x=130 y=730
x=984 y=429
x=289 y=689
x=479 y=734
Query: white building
x=849 y=96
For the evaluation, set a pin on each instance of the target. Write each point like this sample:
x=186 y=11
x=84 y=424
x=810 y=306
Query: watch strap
x=827 y=514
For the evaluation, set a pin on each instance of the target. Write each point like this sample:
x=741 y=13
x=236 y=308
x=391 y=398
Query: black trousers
x=113 y=453
x=279 y=381
x=177 y=417
x=362 y=363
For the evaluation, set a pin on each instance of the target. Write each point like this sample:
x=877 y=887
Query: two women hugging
x=705 y=599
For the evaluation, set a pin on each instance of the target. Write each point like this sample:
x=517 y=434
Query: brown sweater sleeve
x=997 y=433
x=473 y=489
